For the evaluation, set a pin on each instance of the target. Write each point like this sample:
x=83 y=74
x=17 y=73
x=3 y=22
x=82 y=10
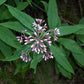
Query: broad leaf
x=36 y=59
x=74 y=48
x=56 y=68
x=16 y=2
x=80 y=37
x=22 y=17
x=66 y=30
x=22 y=5
x=17 y=54
x=63 y=71
x=81 y=21
x=53 y=18
x=13 y=25
x=2 y=1
x=4 y=13
x=61 y=59
x=1 y=55
x=29 y=2
x=5 y=49
x=8 y=37
x=81 y=32
x=65 y=51
x=20 y=66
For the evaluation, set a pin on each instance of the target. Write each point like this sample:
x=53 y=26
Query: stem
x=81 y=10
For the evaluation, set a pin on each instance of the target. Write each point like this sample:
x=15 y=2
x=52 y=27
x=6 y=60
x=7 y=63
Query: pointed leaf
x=16 y=2
x=5 y=14
x=81 y=21
x=63 y=71
x=22 y=5
x=66 y=30
x=17 y=54
x=61 y=58
x=80 y=32
x=80 y=37
x=53 y=18
x=2 y=1
x=22 y=17
x=15 y=25
x=45 y=5
x=8 y=37
x=5 y=49
x=74 y=48
x=36 y=59
x=20 y=66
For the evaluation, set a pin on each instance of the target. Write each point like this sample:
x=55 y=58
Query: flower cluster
x=41 y=36
x=47 y=56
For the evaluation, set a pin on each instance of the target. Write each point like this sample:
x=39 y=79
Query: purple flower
x=47 y=56
x=24 y=57
x=56 y=32
x=26 y=40
x=34 y=24
x=40 y=20
x=20 y=38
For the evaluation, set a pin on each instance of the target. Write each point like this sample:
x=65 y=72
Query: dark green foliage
x=2 y=1
x=68 y=50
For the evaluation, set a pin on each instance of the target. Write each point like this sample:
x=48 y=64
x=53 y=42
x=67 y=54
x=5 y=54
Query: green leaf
x=63 y=71
x=81 y=21
x=45 y=5
x=60 y=57
x=80 y=37
x=53 y=18
x=4 y=13
x=5 y=49
x=66 y=30
x=22 y=17
x=14 y=25
x=8 y=37
x=22 y=5
x=20 y=66
x=17 y=53
x=36 y=59
x=1 y=55
x=56 y=68
x=16 y=2
x=2 y=1
x=65 y=51
x=80 y=32
x=76 y=50
x=29 y=2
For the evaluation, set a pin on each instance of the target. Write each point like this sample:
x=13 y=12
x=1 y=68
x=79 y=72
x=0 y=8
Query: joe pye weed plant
x=40 y=40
